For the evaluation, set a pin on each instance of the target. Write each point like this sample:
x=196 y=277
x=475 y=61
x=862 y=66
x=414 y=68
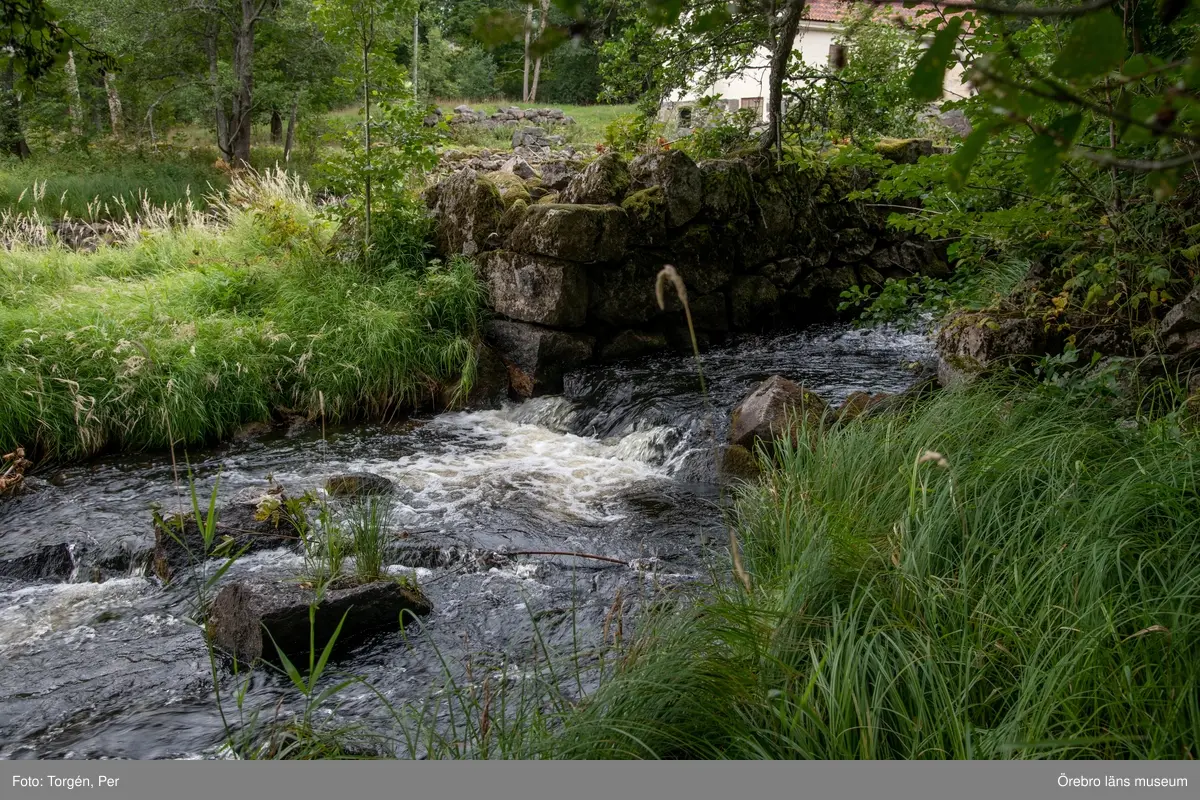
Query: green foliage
x=191 y=332
x=631 y=133
x=867 y=98
x=717 y=132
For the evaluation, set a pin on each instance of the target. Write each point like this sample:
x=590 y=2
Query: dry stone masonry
x=570 y=255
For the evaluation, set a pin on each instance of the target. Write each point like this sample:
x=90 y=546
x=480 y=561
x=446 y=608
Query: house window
x=837 y=56
x=685 y=116
x=752 y=102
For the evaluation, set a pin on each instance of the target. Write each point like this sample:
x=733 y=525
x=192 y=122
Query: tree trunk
x=276 y=126
x=114 y=105
x=368 y=42
x=74 y=103
x=537 y=64
x=528 y=33
x=291 y=130
x=12 y=135
x=243 y=92
x=214 y=79
x=416 y=57
x=786 y=25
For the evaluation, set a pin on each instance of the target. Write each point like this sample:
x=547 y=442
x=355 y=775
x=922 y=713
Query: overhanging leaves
x=1095 y=45
x=930 y=72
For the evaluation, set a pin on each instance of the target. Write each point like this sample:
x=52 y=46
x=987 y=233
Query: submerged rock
x=358 y=484
x=776 y=409
x=53 y=562
x=248 y=620
x=248 y=524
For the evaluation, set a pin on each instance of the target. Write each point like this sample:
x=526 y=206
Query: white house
x=816 y=43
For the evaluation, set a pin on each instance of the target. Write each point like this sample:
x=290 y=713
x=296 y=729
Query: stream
x=621 y=465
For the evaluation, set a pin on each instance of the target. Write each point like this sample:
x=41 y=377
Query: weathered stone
x=904 y=151
x=538 y=357
x=784 y=272
x=973 y=343
x=630 y=344
x=250 y=620
x=680 y=179
x=776 y=409
x=465 y=210
x=533 y=137
x=52 y=562
x=728 y=191
x=519 y=167
x=511 y=188
x=754 y=303
x=605 y=180
x=709 y=312
x=252 y=521
x=703 y=257
x=646 y=211
x=852 y=245
x=869 y=276
x=489 y=389
x=1180 y=328
x=623 y=295
x=358 y=484
x=556 y=175
x=913 y=257
x=739 y=464
x=509 y=220
x=572 y=232
x=536 y=289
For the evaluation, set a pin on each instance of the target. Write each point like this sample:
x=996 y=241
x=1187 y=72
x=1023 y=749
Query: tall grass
x=993 y=576
x=195 y=330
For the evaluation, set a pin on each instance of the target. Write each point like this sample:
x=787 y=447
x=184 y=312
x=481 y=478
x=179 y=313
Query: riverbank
x=997 y=574
x=209 y=321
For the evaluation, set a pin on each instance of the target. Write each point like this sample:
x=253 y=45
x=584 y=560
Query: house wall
x=813 y=43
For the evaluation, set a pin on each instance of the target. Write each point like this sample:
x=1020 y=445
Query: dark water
x=620 y=466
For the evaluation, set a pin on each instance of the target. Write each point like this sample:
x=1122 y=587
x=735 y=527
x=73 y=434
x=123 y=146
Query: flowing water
x=621 y=466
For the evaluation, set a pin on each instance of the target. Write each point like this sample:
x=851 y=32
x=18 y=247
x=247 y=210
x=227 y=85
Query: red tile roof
x=834 y=10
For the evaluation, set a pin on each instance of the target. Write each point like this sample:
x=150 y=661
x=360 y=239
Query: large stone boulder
x=538 y=357
x=1180 y=328
x=511 y=187
x=571 y=232
x=912 y=257
x=973 y=343
x=605 y=180
x=519 y=167
x=728 y=188
x=531 y=137
x=704 y=257
x=776 y=409
x=680 y=179
x=252 y=521
x=358 y=484
x=622 y=295
x=904 y=151
x=646 y=210
x=536 y=289
x=52 y=562
x=754 y=303
x=249 y=620
x=465 y=209
x=557 y=175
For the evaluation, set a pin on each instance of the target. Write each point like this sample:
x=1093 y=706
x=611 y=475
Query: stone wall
x=570 y=255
